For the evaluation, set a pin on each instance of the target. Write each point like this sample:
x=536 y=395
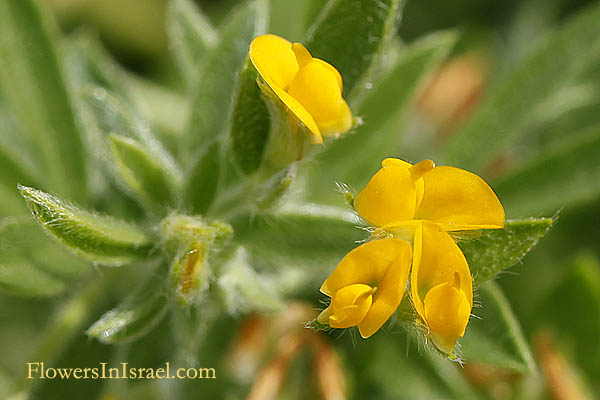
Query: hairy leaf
x=144 y=174
x=99 y=238
x=191 y=36
x=367 y=24
x=213 y=93
x=499 y=249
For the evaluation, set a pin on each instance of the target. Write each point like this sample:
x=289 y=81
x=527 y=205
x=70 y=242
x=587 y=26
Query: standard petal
x=273 y=58
x=457 y=199
x=436 y=260
x=368 y=263
x=390 y=197
x=389 y=294
x=316 y=87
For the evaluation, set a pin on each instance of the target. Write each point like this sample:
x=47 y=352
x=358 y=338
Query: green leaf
x=242 y=289
x=498 y=249
x=494 y=336
x=566 y=176
x=144 y=174
x=191 y=36
x=570 y=313
x=89 y=64
x=137 y=315
x=213 y=94
x=307 y=235
x=32 y=81
x=101 y=239
x=203 y=181
x=290 y=19
x=17 y=164
x=105 y=113
x=381 y=109
x=367 y=24
x=251 y=122
x=495 y=127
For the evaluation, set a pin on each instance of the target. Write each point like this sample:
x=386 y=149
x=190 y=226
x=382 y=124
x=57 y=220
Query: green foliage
x=214 y=91
x=101 y=239
x=494 y=335
x=228 y=209
x=500 y=120
x=562 y=177
x=138 y=314
x=497 y=250
x=191 y=36
x=251 y=122
x=298 y=238
x=143 y=174
x=31 y=78
x=369 y=25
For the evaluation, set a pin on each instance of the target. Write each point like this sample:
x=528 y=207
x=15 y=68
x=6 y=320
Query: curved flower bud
x=441 y=285
x=367 y=285
x=310 y=88
x=453 y=198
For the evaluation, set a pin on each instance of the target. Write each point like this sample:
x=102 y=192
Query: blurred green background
x=519 y=72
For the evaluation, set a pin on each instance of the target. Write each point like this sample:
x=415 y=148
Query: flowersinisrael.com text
x=37 y=370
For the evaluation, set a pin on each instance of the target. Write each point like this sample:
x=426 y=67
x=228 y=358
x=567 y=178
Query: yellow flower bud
x=310 y=88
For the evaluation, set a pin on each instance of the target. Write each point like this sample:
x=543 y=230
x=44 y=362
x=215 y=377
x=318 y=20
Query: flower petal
x=389 y=293
x=273 y=58
x=350 y=304
x=390 y=197
x=447 y=312
x=436 y=260
x=301 y=113
x=457 y=199
x=317 y=88
x=367 y=264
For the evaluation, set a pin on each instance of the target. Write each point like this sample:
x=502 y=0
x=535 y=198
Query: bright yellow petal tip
x=390 y=197
x=447 y=311
x=309 y=87
x=350 y=305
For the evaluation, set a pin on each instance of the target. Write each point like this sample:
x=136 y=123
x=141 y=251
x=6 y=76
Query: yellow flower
x=367 y=286
x=310 y=88
x=422 y=203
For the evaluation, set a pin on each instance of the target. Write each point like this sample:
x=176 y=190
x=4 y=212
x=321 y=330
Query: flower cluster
x=414 y=207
